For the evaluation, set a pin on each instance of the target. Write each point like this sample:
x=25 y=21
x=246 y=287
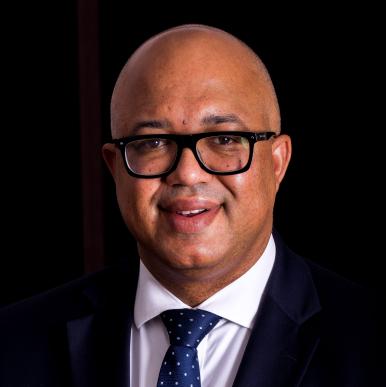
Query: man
x=197 y=160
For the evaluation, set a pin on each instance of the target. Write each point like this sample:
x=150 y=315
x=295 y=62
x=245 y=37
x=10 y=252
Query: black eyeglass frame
x=190 y=141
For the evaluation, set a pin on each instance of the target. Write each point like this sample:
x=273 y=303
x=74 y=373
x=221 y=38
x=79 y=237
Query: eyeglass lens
x=222 y=153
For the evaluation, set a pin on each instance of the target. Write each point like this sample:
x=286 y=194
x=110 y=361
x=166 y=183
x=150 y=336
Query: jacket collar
x=286 y=332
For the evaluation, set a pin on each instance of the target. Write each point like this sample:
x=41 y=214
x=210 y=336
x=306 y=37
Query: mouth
x=189 y=216
x=190 y=213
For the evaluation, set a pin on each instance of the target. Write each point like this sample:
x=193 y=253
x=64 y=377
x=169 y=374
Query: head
x=188 y=80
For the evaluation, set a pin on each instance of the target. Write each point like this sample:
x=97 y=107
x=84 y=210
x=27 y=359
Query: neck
x=195 y=285
x=194 y=293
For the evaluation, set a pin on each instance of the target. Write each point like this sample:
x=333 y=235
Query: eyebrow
x=155 y=124
x=212 y=119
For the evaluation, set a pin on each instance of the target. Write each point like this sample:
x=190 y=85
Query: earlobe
x=281 y=155
x=109 y=155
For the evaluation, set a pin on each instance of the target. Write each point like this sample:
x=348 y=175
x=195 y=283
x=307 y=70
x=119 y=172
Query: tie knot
x=187 y=327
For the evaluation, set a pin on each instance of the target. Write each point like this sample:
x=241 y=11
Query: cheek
x=253 y=190
x=136 y=198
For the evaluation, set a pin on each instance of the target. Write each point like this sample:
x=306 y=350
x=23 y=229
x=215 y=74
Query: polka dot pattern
x=186 y=329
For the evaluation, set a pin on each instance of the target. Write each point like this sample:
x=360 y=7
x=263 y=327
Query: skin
x=182 y=79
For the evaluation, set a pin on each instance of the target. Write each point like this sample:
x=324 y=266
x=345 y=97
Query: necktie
x=186 y=329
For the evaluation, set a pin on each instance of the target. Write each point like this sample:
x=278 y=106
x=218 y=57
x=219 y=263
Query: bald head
x=186 y=66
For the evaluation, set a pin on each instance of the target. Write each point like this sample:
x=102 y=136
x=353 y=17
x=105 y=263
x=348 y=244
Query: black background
x=327 y=68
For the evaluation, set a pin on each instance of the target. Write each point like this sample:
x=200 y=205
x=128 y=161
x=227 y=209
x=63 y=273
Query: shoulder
x=34 y=332
x=350 y=312
x=356 y=303
x=330 y=286
x=345 y=305
x=351 y=306
x=70 y=300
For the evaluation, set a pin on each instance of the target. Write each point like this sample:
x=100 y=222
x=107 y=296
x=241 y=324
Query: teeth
x=192 y=212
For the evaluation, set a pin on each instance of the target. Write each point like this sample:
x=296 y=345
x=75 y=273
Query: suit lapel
x=286 y=332
x=99 y=342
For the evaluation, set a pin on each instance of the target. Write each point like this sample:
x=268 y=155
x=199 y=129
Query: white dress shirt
x=221 y=350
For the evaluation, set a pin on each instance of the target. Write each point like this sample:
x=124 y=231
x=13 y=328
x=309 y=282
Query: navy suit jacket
x=313 y=329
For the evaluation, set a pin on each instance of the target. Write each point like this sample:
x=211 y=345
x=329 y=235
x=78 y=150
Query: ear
x=109 y=152
x=281 y=155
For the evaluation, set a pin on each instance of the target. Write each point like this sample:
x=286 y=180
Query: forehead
x=185 y=84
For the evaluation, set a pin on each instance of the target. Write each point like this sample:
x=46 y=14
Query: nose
x=188 y=171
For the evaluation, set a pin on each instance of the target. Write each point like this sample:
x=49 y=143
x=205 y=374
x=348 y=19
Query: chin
x=192 y=258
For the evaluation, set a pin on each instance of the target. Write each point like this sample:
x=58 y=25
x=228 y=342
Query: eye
x=150 y=144
x=226 y=140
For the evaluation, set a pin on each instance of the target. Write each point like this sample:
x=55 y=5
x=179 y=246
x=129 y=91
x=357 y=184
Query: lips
x=189 y=215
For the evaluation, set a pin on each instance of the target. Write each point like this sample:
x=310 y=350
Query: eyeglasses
x=218 y=153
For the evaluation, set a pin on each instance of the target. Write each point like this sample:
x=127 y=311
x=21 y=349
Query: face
x=192 y=224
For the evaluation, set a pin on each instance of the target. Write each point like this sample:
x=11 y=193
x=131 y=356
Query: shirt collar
x=234 y=302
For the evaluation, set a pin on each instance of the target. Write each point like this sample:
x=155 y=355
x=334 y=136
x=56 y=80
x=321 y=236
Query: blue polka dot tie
x=186 y=328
